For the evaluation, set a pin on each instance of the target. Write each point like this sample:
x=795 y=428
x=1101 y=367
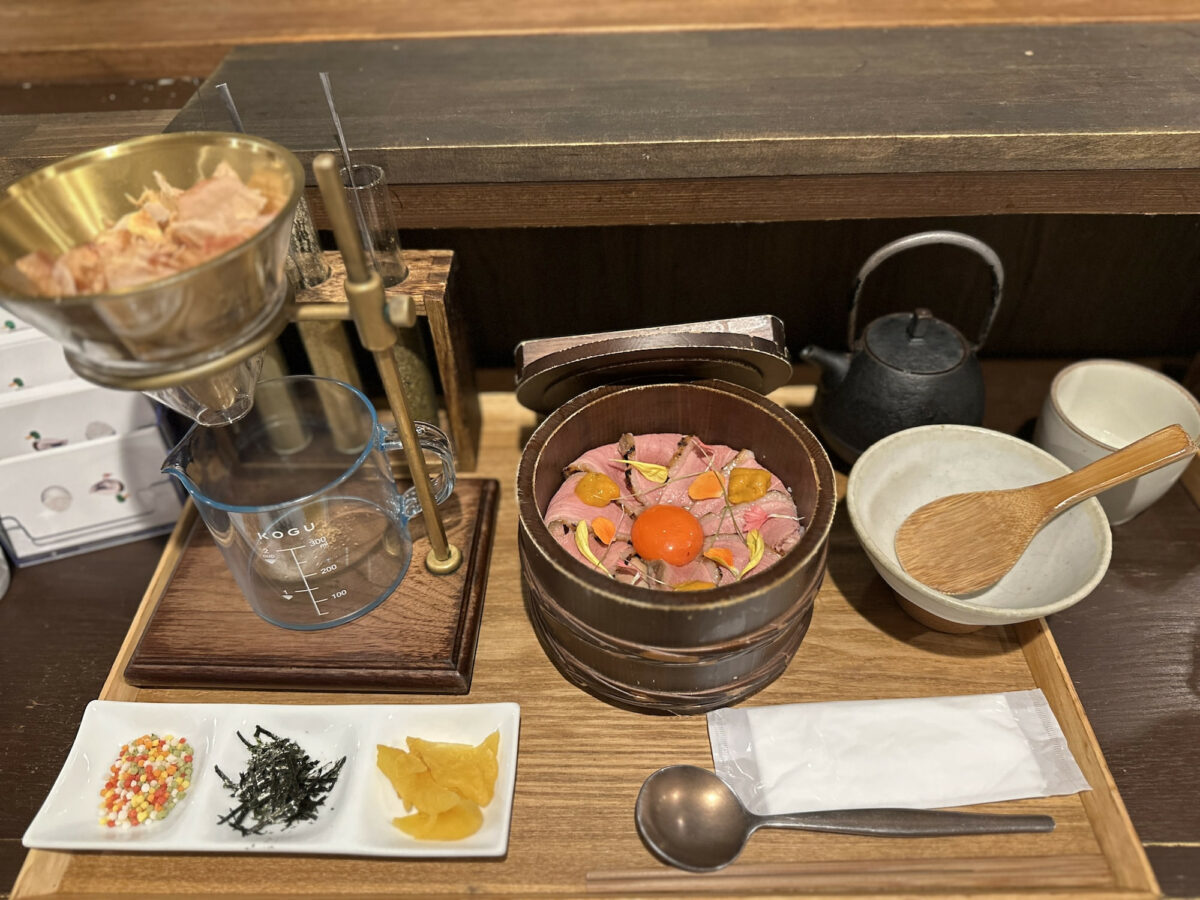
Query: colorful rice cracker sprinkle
x=151 y=774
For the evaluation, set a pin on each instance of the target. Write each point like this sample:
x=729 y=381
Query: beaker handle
x=434 y=441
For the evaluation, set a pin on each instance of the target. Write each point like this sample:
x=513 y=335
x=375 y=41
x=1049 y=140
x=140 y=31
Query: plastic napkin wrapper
x=923 y=753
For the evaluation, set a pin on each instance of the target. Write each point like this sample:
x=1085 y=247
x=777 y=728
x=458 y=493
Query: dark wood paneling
x=61 y=625
x=1177 y=869
x=28 y=98
x=600 y=107
x=1076 y=285
x=1133 y=652
x=28 y=142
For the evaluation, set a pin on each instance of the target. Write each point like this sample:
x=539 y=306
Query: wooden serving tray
x=581 y=763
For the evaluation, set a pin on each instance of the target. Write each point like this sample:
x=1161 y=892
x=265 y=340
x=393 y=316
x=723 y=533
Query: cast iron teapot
x=908 y=369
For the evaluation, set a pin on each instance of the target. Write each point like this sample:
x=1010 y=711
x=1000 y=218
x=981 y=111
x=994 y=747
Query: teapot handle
x=920 y=239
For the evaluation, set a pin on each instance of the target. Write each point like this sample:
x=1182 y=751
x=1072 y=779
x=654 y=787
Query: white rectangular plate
x=356 y=819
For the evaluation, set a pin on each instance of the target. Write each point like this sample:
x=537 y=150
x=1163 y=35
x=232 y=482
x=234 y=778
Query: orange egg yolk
x=667 y=533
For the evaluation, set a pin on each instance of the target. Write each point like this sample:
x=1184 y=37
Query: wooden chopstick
x=995 y=873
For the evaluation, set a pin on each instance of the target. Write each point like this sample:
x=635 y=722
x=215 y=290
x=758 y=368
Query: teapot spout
x=833 y=366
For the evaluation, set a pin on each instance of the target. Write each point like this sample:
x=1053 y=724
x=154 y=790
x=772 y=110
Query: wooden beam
x=787 y=199
x=115 y=39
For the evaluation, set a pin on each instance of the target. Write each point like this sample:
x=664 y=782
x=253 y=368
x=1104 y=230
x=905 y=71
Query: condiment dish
x=904 y=471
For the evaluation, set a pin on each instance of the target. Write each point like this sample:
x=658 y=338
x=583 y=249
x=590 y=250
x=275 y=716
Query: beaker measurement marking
x=307 y=588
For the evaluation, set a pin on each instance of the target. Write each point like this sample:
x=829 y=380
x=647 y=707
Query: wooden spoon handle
x=1152 y=452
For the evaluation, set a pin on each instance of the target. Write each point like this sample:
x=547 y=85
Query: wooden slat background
x=60 y=40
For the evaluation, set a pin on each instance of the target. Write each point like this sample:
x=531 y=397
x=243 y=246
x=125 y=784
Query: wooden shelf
x=766 y=124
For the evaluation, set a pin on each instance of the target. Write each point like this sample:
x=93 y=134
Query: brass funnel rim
x=146 y=376
x=200 y=139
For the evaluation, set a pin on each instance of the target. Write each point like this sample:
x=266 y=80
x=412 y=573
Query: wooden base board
x=421 y=639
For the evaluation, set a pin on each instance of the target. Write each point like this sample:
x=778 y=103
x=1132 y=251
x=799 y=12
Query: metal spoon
x=689 y=817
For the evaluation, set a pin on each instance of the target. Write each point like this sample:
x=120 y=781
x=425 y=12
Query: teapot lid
x=915 y=342
x=747 y=351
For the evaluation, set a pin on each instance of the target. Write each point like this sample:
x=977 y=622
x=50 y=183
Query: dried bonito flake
x=170 y=231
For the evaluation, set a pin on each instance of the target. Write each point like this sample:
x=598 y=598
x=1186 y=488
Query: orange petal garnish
x=707 y=486
x=721 y=556
x=604 y=529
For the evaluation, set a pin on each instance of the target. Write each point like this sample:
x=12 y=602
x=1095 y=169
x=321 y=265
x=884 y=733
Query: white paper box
x=68 y=412
x=85 y=496
x=29 y=359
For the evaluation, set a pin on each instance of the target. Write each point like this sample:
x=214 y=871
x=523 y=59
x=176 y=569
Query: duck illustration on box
x=109 y=485
x=41 y=443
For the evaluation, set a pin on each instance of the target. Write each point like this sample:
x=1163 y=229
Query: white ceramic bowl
x=906 y=470
x=1100 y=405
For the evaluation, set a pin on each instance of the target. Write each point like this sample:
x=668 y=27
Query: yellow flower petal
x=581 y=541
x=652 y=471
x=754 y=543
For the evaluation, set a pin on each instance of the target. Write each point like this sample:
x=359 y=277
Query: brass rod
x=320 y=312
x=442 y=553
x=364 y=290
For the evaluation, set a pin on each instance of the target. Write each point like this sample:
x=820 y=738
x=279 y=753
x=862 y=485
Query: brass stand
x=428 y=283
x=376 y=318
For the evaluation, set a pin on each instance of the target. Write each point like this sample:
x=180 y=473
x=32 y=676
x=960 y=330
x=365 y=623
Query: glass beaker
x=299 y=497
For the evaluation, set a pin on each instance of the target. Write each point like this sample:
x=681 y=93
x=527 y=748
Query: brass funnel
x=191 y=340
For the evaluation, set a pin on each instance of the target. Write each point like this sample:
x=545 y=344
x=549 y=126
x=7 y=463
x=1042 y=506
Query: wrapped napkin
x=924 y=753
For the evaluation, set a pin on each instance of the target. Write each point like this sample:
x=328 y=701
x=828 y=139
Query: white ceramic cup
x=1100 y=405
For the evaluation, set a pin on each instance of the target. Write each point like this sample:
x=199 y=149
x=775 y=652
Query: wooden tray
x=581 y=764
x=202 y=632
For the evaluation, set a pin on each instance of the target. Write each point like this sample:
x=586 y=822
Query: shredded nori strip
x=281 y=784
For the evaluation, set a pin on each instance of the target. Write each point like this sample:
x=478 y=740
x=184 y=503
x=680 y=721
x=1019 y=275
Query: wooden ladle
x=967 y=542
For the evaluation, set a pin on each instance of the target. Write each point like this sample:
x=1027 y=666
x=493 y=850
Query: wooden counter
x=581 y=761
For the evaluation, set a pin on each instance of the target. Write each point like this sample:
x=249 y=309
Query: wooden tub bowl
x=661 y=651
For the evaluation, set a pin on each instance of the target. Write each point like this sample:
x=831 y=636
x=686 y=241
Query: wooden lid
x=747 y=351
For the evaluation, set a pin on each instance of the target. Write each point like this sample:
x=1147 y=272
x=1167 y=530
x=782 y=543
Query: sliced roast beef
x=685 y=457
x=668 y=577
